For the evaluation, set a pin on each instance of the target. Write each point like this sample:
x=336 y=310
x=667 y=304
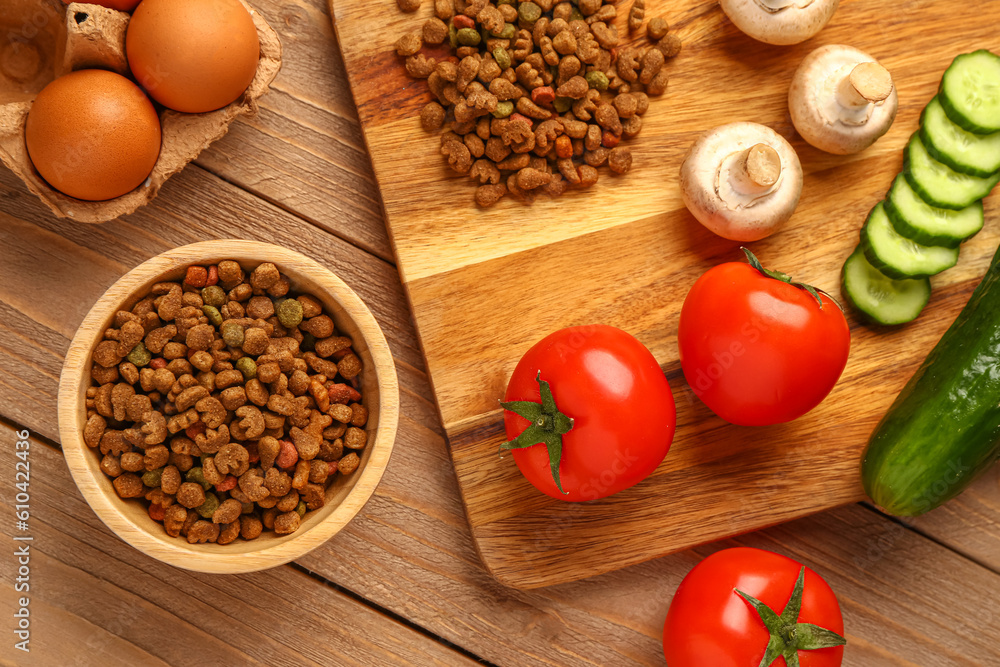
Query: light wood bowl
x=345 y=496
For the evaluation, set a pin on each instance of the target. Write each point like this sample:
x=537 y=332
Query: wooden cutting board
x=487 y=284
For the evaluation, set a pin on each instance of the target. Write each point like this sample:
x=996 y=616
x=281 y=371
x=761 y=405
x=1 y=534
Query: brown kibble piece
x=202 y=531
x=287 y=523
x=349 y=367
x=432 y=116
x=620 y=159
x=173 y=519
x=657 y=28
x=652 y=63
x=408 y=44
x=355 y=438
x=233 y=459
x=170 y=479
x=228 y=532
x=250 y=527
x=490 y=194
x=529 y=179
x=658 y=85
x=348 y=464
x=268 y=449
x=264 y=276
x=670 y=46
x=636 y=15
x=588 y=175
x=94 y=430
x=444 y=9
x=420 y=66
x=408 y=5
x=228 y=511
x=190 y=495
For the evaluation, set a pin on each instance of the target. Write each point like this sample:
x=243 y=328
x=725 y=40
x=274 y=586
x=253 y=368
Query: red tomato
x=758 y=350
x=619 y=407
x=709 y=623
x=120 y=5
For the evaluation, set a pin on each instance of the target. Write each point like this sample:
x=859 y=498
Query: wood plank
x=968 y=524
x=92 y=594
x=625 y=254
x=304 y=151
x=411 y=551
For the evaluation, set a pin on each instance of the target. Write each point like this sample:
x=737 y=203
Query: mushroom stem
x=868 y=83
x=758 y=169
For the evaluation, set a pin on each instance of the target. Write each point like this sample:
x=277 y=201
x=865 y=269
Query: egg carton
x=43 y=39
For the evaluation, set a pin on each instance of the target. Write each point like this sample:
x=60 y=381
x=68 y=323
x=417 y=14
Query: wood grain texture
x=344 y=497
x=97 y=601
x=304 y=150
x=487 y=284
x=410 y=550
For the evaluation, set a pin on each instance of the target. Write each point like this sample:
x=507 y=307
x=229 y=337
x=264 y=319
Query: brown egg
x=192 y=55
x=93 y=135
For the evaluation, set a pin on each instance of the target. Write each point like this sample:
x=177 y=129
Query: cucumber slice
x=879 y=298
x=918 y=221
x=897 y=256
x=970 y=92
x=939 y=185
x=949 y=144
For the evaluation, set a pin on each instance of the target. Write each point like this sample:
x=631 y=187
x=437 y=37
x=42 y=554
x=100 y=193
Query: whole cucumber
x=943 y=430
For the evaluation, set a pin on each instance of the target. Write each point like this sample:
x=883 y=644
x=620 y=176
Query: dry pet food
x=534 y=96
x=226 y=402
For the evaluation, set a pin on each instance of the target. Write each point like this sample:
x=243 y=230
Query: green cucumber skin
x=943 y=430
x=928 y=196
x=946 y=160
x=953 y=113
x=904 y=228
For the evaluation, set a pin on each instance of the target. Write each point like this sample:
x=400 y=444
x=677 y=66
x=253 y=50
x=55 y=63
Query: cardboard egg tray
x=44 y=39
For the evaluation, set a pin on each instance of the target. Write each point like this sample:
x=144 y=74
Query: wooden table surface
x=402 y=584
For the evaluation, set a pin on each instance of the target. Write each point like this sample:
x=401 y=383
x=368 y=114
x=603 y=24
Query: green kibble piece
x=508 y=32
x=597 y=80
x=139 y=355
x=575 y=15
x=289 y=313
x=453 y=35
x=151 y=478
x=529 y=12
x=469 y=37
x=207 y=508
x=213 y=315
x=502 y=57
x=503 y=109
x=232 y=334
x=196 y=475
x=213 y=295
x=301 y=509
x=248 y=367
x=563 y=104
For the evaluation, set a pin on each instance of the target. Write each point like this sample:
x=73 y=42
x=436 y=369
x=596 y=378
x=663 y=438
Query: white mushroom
x=741 y=180
x=780 y=21
x=841 y=100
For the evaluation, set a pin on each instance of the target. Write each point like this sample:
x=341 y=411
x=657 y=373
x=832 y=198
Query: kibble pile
x=226 y=403
x=538 y=94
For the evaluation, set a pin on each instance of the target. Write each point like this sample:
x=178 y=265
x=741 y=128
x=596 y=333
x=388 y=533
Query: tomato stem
x=785 y=278
x=548 y=426
x=788 y=636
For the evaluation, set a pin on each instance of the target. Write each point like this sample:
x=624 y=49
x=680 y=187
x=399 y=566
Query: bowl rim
x=176 y=551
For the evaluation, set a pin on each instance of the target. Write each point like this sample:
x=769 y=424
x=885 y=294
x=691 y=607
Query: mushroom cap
x=804 y=106
x=700 y=179
x=795 y=21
